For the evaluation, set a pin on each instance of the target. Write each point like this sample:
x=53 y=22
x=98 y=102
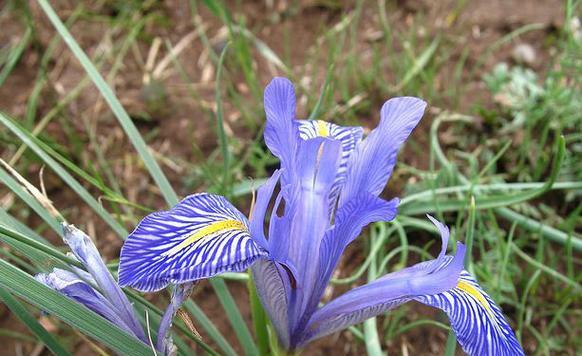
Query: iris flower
x=97 y=290
x=328 y=188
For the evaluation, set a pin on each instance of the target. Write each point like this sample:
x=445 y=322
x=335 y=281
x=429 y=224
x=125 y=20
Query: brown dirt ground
x=181 y=121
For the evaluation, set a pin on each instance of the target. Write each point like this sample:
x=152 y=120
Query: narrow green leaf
x=7 y=234
x=209 y=327
x=120 y=113
x=15 y=55
x=470 y=235
x=16 y=335
x=223 y=141
x=536 y=226
x=419 y=64
x=23 y=194
x=30 y=321
x=315 y=113
x=371 y=338
x=236 y=320
x=451 y=344
x=505 y=187
x=17 y=225
x=76 y=315
x=259 y=316
x=28 y=139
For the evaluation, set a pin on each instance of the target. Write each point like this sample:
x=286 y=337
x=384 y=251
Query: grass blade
x=7 y=235
x=315 y=113
x=17 y=225
x=25 y=196
x=120 y=113
x=419 y=64
x=24 y=315
x=209 y=327
x=371 y=337
x=15 y=56
x=236 y=320
x=28 y=139
x=223 y=141
x=536 y=226
x=76 y=315
x=259 y=317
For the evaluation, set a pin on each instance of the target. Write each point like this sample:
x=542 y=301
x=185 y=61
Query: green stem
x=259 y=318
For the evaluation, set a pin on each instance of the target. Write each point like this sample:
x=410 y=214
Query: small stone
x=524 y=54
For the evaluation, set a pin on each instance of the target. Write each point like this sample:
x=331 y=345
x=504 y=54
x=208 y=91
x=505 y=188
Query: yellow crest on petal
x=472 y=291
x=213 y=228
x=322 y=129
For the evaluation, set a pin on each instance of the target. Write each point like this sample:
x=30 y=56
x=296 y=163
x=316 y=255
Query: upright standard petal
x=318 y=160
x=202 y=236
x=477 y=321
x=86 y=252
x=295 y=236
x=371 y=164
x=280 y=132
x=349 y=136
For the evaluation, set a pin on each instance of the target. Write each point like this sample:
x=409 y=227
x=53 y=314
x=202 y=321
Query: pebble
x=524 y=54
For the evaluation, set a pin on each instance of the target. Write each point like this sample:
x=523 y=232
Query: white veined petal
x=202 y=236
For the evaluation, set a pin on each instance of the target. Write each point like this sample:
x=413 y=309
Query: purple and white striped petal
x=202 y=236
x=477 y=321
x=371 y=165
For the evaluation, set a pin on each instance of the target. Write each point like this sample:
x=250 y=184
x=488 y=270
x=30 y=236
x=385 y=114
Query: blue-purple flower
x=96 y=289
x=325 y=193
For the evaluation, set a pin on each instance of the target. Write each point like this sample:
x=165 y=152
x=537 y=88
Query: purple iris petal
x=70 y=285
x=444 y=231
x=318 y=160
x=309 y=228
x=350 y=219
x=274 y=290
x=86 y=252
x=264 y=195
x=477 y=321
x=384 y=294
x=202 y=236
x=371 y=164
x=349 y=137
x=280 y=132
